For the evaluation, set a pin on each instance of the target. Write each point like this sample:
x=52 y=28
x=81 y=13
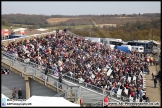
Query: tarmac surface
x=154 y=94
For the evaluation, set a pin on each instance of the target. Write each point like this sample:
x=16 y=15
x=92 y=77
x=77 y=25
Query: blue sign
x=3 y=101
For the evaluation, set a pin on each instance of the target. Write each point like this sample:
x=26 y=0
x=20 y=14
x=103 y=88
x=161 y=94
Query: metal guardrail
x=29 y=64
x=25 y=69
x=62 y=94
x=51 y=72
x=98 y=89
x=35 y=66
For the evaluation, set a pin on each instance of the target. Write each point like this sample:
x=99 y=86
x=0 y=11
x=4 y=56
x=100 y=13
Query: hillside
x=61 y=20
x=126 y=27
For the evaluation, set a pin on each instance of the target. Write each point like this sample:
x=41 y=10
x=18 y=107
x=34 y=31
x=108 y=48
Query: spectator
x=92 y=60
x=132 y=94
x=60 y=80
x=141 y=94
x=124 y=94
x=14 y=93
x=152 y=76
x=155 y=82
x=19 y=93
x=145 y=97
x=106 y=101
x=151 y=61
x=46 y=72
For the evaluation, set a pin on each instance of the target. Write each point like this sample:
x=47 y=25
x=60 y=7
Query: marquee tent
x=50 y=101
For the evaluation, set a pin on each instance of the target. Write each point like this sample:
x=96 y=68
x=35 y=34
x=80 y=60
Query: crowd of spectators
x=83 y=59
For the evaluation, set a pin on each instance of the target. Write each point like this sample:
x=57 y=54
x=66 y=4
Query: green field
x=56 y=27
x=72 y=27
x=8 y=27
x=22 y=25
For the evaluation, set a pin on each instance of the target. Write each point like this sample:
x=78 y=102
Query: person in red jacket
x=106 y=100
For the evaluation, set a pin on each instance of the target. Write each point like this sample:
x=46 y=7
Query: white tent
x=50 y=101
x=3 y=96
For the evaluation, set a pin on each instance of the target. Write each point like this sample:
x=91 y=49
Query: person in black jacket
x=46 y=71
x=155 y=82
x=145 y=97
x=60 y=80
x=19 y=93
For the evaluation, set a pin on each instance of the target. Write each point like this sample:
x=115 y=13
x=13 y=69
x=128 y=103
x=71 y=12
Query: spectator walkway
x=153 y=93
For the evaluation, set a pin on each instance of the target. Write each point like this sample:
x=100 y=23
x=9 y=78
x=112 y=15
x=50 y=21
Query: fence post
x=22 y=72
x=75 y=97
x=45 y=80
x=103 y=98
x=57 y=86
x=33 y=73
x=10 y=64
x=66 y=94
x=25 y=69
x=80 y=91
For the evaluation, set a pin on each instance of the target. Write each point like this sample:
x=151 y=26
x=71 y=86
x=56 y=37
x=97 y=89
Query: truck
x=110 y=46
x=129 y=46
x=138 y=49
x=15 y=36
x=123 y=48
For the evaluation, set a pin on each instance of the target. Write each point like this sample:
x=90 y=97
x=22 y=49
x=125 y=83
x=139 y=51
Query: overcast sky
x=80 y=8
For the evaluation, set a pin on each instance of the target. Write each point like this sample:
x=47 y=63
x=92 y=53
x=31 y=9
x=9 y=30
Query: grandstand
x=94 y=70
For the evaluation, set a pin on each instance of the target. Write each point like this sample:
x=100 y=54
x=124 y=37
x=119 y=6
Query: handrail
x=84 y=84
x=24 y=69
x=57 y=95
x=95 y=88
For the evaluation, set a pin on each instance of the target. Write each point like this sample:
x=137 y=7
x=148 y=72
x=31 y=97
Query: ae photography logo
x=3 y=102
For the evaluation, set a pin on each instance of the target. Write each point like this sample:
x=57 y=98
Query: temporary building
x=50 y=101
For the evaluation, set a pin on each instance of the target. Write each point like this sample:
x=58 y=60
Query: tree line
x=41 y=20
x=138 y=30
x=135 y=26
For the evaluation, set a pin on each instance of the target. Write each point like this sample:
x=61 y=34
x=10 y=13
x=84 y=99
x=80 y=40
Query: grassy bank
x=72 y=27
x=8 y=27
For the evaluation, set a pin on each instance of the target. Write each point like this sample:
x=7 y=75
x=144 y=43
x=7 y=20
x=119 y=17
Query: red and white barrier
x=22 y=32
x=4 y=32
